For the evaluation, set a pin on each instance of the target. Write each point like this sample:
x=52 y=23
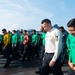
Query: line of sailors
x=14 y=46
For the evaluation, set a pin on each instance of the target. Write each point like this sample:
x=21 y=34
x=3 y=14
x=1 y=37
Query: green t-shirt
x=43 y=38
x=34 y=38
x=0 y=38
x=71 y=47
x=21 y=38
x=14 y=39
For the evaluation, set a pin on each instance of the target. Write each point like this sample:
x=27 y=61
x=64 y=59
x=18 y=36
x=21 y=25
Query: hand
x=70 y=64
x=15 y=45
x=51 y=63
x=74 y=68
x=41 y=28
x=3 y=48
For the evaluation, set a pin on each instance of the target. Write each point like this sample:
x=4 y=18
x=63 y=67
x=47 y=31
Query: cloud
x=4 y=1
x=35 y=10
x=18 y=15
x=14 y=26
x=12 y=5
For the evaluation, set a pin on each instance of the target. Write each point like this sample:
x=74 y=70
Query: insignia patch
x=56 y=38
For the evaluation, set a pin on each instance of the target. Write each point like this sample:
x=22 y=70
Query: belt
x=49 y=53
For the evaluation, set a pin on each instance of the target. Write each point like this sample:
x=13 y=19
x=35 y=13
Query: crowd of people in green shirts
x=34 y=42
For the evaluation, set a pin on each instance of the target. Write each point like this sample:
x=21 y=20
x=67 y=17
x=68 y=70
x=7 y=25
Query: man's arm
x=58 y=44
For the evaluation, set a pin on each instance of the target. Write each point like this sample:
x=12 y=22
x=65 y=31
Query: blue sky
x=27 y=14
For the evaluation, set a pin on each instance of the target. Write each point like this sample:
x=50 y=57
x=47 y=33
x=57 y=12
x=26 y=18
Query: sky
x=28 y=14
